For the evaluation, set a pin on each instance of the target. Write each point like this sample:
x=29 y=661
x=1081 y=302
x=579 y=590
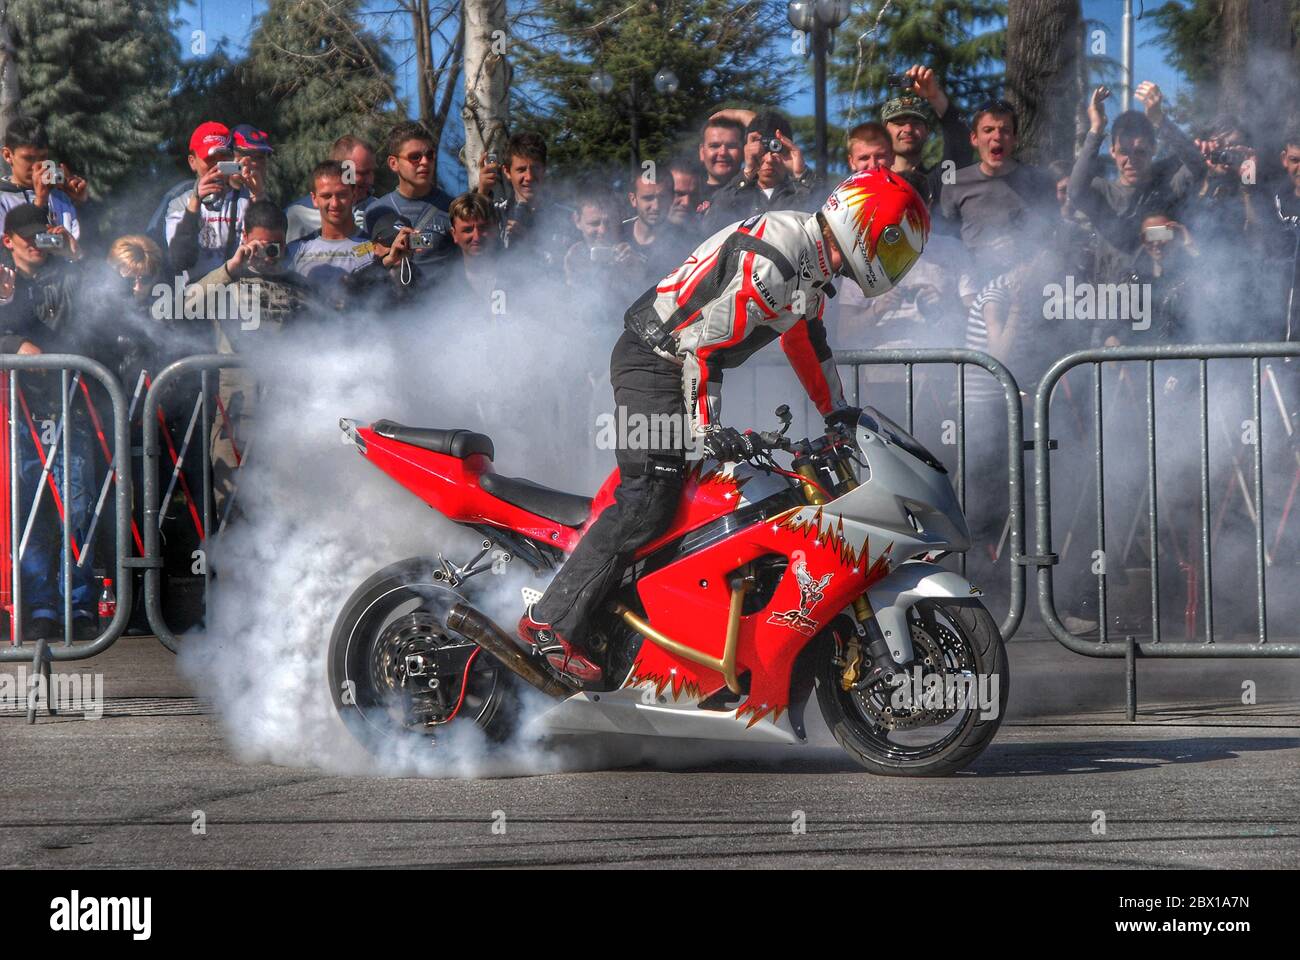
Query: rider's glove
x=728 y=443
x=843 y=420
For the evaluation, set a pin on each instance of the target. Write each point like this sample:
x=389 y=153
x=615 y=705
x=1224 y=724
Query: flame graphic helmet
x=880 y=225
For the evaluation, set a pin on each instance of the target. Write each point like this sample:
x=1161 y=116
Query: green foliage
x=1190 y=37
x=717 y=48
x=98 y=75
x=313 y=74
x=963 y=41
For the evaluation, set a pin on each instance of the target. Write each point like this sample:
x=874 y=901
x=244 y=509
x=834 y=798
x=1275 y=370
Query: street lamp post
x=818 y=18
x=665 y=83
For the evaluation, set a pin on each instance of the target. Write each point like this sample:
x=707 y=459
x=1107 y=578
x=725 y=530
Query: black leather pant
x=650 y=484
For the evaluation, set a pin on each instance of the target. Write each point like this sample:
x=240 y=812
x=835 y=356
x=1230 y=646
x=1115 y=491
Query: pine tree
x=1241 y=58
x=313 y=74
x=718 y=50
x=97 y=73
x=963 y=41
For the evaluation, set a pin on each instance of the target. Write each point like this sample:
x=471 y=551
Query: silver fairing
x=907 y=500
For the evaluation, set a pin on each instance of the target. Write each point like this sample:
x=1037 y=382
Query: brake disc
x=939 y=652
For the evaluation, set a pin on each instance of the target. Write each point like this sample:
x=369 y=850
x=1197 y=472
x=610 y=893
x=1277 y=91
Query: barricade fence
x=965 y=406
x=1179 y=406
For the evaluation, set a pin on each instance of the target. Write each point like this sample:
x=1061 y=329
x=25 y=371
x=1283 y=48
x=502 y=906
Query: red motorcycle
x=771 y=582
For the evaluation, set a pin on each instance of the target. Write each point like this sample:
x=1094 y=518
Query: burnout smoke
x=317 y=520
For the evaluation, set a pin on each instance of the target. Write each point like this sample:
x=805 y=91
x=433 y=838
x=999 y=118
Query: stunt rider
x=750 y=283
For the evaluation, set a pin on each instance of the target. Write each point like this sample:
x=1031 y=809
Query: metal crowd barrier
x=204 y=364
x=1253 y=496
x=74 y=370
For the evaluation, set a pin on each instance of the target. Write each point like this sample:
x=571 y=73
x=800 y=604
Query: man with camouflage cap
x=910 y=117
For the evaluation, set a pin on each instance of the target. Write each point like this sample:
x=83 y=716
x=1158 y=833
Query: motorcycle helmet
x=880 y=224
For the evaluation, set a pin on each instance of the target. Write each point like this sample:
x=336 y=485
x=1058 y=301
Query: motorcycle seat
x=566 y=508
x=459 y=443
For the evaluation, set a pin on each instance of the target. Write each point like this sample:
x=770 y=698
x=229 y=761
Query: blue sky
x=232 y=20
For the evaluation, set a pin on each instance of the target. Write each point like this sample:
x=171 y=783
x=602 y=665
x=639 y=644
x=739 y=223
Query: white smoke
x=318 y=519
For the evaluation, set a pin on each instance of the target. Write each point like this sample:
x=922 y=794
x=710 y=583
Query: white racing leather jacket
x=748 y=284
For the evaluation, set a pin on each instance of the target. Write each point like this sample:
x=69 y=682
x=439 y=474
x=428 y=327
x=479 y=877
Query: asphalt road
x=1200 y=781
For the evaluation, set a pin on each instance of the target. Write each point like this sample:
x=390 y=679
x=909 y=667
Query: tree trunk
x=487 y=82
x=1044 y=47
x=10 y=95
x=1257 y=82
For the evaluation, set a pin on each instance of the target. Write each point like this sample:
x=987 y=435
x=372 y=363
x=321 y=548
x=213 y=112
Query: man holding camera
x=774 y=176
x=529 y=222
x=266 y=297
x=418 y=199
x=38 y=314
x=202 y=226
x=37 y=180
x=1143 y=184
x=910 y=118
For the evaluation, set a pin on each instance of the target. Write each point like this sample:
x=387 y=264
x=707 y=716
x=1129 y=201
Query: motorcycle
x=771 y=582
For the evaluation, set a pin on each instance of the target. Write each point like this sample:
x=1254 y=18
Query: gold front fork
x=861 y=605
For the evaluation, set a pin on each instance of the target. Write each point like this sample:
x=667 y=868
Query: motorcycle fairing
x=831 y=563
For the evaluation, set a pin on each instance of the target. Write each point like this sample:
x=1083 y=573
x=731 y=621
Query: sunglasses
x=414 y=158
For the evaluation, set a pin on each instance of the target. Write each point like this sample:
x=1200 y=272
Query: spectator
x=870 y=147
x=390 y=280
x=472 y=277
x=358 y=159
x=912 y=312
x=528 y=220
x=267 y=298
x=1143 y=185
x=1077 y=241
x=1003 y=209
x=721 y=145
x=134 y=335
x=33 y=178
x=688 y=180
x=910 y=118
x=253 y=151
x=203 y=224
x=38 y=314
x=418 y=199
x=771 y=179
x=1166 y=262
x=588 y=260
x=651 y=247
x=323 y=258
x=1278 y=234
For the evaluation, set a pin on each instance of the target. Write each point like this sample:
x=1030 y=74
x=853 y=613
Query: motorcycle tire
x=392 y=615
x=965 y=624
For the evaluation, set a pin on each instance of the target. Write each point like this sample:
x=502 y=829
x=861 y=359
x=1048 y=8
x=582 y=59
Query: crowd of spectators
x=1205 y=224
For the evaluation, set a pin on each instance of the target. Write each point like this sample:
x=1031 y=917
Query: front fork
x=867 y=635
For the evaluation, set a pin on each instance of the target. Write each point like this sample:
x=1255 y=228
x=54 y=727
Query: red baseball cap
x=208 y=138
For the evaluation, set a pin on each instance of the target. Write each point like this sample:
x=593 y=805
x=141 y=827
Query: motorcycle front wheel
x=396 y=673
x=937 y=716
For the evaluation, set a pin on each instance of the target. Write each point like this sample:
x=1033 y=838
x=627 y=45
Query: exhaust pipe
x=472 y=625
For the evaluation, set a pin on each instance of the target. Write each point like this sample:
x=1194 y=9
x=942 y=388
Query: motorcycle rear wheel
x=953 y=638
x=389 y=629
